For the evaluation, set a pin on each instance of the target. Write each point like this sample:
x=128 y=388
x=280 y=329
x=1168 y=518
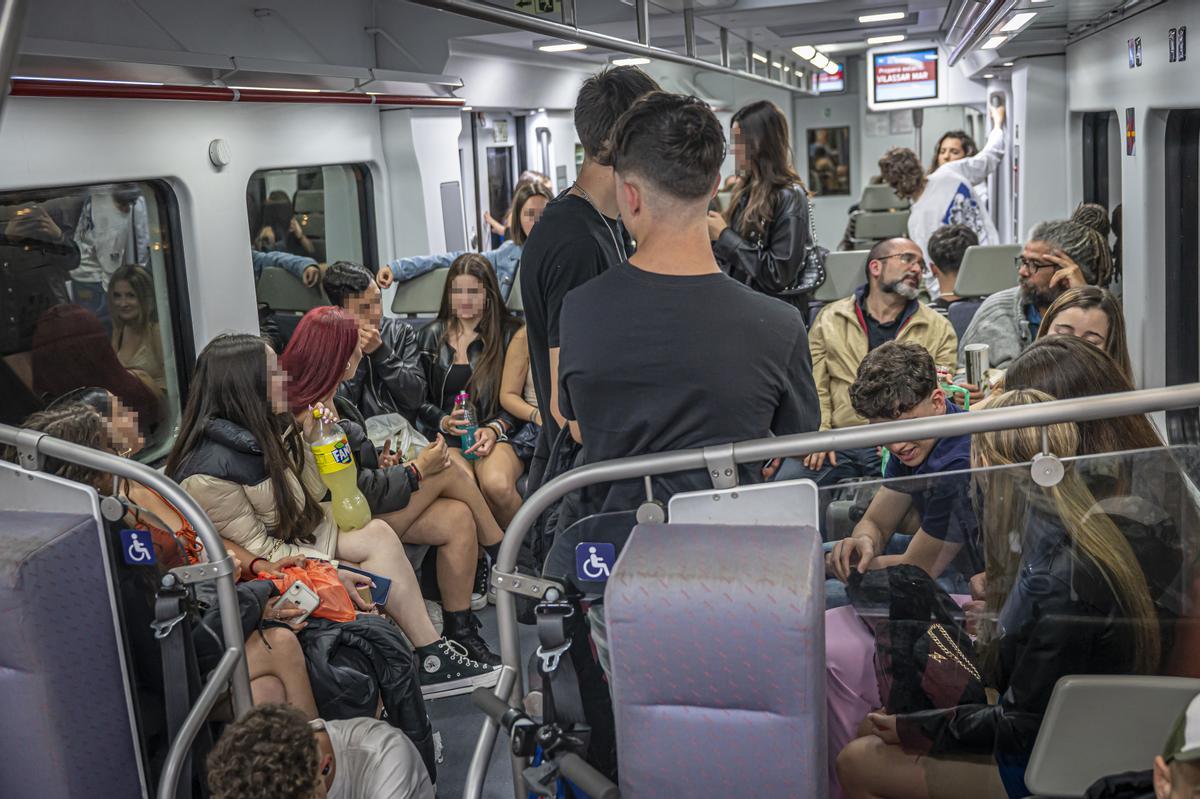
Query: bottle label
x=333 y=456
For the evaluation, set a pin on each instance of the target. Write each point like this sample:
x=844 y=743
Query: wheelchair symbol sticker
x=137 y=547
x=594 y=561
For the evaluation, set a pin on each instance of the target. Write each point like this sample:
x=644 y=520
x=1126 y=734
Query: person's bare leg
x=870 y=769
x=268 y=690
x=448 y=525
x=497 y=475
x=458 y=482
x=281 y=656
x=376 y=548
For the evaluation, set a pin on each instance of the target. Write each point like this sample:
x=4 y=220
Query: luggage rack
x=230 y=671
x=510 y=584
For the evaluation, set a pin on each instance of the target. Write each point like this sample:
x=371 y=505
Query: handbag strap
x=812 y=222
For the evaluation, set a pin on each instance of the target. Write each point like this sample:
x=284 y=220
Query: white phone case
x=301 y=596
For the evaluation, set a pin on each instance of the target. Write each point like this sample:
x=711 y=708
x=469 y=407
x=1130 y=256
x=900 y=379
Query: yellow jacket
x=838 y=341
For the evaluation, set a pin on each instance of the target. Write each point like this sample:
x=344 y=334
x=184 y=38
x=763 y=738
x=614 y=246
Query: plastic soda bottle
x=332 y=453
x=463 y=401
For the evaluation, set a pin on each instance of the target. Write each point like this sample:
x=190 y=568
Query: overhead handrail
x=1084 y=409
x=220 y=567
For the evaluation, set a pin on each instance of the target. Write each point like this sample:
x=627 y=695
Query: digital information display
x=831 y=83
x=910 y=75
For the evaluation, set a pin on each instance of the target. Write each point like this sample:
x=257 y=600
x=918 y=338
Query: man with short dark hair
x=899 y=381
x=578 y=237
x=1177 y=769
x=946 y=247
x=884 y=309
x=389 y=379
x=665 y=351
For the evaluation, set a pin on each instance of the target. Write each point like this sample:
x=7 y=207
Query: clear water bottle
x=471 y=419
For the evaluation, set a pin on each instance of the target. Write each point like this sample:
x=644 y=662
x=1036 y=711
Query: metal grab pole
x=12 y=23
x=227 y=601
x=1105 y=406
x=169 y=783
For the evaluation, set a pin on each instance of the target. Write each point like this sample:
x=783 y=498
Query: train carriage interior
x=379 y=401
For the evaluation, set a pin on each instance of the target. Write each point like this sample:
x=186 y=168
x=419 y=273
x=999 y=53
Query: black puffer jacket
x=387 y=490
x=352 y=663
x=772 y=262
x=437 y=358
x=389 y=380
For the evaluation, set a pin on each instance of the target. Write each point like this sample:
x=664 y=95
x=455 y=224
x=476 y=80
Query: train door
x=1102 y=144
x=1182 y=236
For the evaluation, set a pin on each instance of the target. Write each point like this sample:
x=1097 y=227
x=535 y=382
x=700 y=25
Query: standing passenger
x=578 y=238
x=762 y=239
x=664 y=351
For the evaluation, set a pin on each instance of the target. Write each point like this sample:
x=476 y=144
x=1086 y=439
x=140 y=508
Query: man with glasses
x=883 y=309
x=1059 y=255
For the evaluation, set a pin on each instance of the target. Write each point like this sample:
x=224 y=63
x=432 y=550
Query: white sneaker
x=479 y=601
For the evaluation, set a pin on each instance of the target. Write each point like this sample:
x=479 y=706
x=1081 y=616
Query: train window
x=500 y=181
x=92 y=296
x=1182 y=235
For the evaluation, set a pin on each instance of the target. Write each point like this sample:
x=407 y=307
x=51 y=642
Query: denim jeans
x=851 y=463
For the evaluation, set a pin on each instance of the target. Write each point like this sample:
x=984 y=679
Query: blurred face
x=467 y=297
x=367 y=308
x=1089 y=324
x=123 y=302
x=899 y=271
x=740 y=161
x=913 y=453
x=276 y=383
x=531 y=212
x=1034 y=273
x=124 y=429
x=951 y=150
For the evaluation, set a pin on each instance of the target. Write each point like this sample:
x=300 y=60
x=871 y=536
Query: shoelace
x=458 y=653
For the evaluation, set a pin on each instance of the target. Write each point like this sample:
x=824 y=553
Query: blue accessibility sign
x=137 y=547
x=594 y=561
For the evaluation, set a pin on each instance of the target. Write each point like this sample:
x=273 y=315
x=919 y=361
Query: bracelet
x=256 y=560
x=533 y=415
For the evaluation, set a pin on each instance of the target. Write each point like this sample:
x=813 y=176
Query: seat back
x=421 y=295
x=68 y=706
x=747 y=717
x=283 y=291
x=987 y=269
x=872 y=226
x=880 y=198
x=961 y=313
x=784 y=503
x=514 y=301
x=844 y=272
x=1100 y=725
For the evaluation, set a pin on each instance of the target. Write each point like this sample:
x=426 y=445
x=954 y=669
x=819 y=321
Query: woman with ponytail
x=1064 y=595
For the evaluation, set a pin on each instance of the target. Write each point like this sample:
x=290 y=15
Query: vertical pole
x=769 y=67
x=568 y=13
x=689 y=32
x=482 y=241
x=725 y=47
x=642 y=8
x=12 y=23
x=750 y=56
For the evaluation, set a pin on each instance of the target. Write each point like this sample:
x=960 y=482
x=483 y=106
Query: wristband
x=256 y=560
x=533 y=416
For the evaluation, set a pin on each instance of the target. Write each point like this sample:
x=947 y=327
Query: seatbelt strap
x=561 y=703
x=170 y=612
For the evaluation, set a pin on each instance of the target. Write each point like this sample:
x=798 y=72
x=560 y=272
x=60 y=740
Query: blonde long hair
x=1008 y=495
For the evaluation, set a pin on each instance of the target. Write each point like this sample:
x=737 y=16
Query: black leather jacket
x=389 y=380
x=1060 y=618
x=436 y=359
x=771 y=263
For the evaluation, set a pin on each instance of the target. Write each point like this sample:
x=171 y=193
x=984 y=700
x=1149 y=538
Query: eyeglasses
x=907 y=258
x=1021 y=262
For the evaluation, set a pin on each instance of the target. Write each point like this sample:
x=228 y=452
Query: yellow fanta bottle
x=332 y=453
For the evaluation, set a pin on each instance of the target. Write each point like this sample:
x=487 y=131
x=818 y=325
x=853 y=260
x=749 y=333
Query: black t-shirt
x=571 y=244
x=653 y=362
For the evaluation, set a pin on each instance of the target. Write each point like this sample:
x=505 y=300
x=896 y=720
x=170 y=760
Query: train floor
x=459 y=722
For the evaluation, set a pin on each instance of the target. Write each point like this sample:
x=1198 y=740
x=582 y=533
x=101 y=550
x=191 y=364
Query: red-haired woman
x=424 y=502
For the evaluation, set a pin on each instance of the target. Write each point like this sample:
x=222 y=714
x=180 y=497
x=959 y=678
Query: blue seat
x=961 y=313
x=745 y=717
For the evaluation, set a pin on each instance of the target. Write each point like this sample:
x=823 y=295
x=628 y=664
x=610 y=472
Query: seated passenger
x=655 y=353
x=1094 y=315
x=462 y=350
x=113 y=230
x=425 y=501
x=899 y=381
x=947 y=246
x=1058 y=256
x=1095 y=216
x=519 y=398
x=1177 y=769
x=301 y=267
x=281 y=230
x=136 y=337
x=274 y=658
x=245 y=460
x=528 y=203
x=72 y=349
x=1065 y=597
x=885 y=309
x=275 y=752
x=945 y=196
x=389 y=380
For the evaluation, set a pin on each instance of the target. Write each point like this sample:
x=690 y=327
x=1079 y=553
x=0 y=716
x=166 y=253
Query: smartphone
x=383 y=585
x=300 y=596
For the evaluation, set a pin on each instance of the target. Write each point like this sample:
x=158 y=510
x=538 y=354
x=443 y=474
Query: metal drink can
x=976 y=356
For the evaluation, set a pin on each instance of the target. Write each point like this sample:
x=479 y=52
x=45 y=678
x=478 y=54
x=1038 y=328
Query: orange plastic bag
x=321 y=577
